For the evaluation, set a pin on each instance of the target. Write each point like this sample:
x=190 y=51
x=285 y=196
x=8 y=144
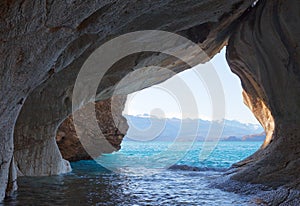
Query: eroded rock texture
x=44 y=44
x=110 y=122
x=265 y=52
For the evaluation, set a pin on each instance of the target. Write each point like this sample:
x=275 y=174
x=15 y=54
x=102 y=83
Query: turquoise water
x=138 y=158
x=187 y=182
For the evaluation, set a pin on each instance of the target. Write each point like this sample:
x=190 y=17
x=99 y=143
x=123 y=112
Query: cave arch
x=263 y=48
x=40 y=39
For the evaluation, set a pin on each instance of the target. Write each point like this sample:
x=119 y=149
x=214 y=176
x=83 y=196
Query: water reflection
x=88 y=184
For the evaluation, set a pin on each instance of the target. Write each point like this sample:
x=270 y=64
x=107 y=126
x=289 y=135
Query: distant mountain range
x=150 y=128
x=248 y=138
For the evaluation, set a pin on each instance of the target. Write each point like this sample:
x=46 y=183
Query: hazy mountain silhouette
x=146 y=128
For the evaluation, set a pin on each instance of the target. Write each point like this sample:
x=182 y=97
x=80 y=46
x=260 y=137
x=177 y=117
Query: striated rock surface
x=43 y=44
x=68 y=142
x=265 y=53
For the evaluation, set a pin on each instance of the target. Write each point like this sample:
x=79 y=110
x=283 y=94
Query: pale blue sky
x=147 y=100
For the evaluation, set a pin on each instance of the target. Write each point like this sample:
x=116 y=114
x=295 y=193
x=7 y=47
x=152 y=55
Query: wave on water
x=192 y=168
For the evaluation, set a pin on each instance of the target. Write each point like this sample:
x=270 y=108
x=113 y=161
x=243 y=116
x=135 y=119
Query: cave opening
x=156 y=122
x=263 y=51
x=187 y=171
x=154 y=115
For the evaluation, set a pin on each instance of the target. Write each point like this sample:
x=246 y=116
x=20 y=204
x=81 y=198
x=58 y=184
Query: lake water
x=135 y=181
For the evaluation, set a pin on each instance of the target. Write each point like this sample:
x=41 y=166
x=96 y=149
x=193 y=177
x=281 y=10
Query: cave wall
x=44 y=44
x=38 y=154
x=264 y=52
